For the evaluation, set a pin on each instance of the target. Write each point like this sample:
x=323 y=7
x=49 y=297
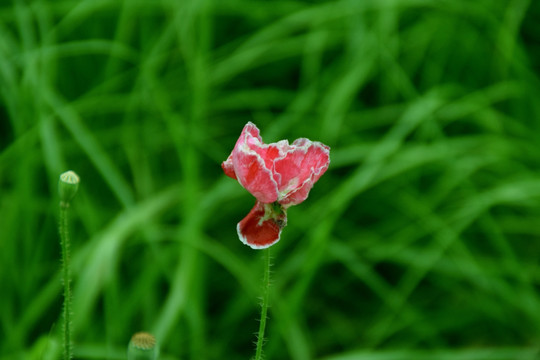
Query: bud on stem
x=67 y=187
x=142 y=346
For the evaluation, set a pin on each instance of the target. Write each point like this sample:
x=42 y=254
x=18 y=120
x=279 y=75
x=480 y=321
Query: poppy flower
x=278 y=175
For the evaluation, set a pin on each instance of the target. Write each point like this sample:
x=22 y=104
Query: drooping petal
x=300 y=168
x=261 y=228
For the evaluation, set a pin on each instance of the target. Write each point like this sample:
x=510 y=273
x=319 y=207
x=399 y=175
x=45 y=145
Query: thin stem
x=264 y=305
x=66 y=274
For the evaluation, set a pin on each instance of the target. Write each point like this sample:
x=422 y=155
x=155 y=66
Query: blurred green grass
x=421 y=241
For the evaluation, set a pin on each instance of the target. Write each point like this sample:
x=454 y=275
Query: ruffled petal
x=249 y=130
x=299 y=169
x=250 y=166
x=261 y=228
x=252 y=174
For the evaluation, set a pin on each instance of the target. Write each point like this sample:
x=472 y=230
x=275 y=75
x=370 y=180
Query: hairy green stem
x=264 y=305
x=66 y=276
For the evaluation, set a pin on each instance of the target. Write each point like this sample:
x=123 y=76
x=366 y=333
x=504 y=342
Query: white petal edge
x=245 y=149
x=305 y=147
x=255 y=247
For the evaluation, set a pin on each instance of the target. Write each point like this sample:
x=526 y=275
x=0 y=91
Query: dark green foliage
x=420 y=242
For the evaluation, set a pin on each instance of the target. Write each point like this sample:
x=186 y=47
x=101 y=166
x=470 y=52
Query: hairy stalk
x=264 y=305
x=66 y=277
x=68 y=185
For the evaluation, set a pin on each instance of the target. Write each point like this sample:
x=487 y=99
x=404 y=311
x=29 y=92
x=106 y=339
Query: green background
x=422 y=240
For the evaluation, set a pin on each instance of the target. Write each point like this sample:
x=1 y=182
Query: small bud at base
x=142 y=347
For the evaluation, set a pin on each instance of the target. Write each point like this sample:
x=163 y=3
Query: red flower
x=279 y=175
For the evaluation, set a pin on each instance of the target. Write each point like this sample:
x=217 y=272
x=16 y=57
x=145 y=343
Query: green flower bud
x=67 y=187
x=142 y=346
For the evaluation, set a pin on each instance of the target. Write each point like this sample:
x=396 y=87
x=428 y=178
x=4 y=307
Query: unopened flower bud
x=142 y=346
x=68 y=186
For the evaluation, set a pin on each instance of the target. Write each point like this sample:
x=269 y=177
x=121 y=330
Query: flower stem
x=66 y=276
x=264 y=305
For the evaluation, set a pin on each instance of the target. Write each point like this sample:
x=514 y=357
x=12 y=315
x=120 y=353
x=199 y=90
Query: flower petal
x=254 y=176
x=250 y=167
x=299 y=169
x=278 y=171
x=250 y=130
x=267 y=152
x=228 y=167
x=261 y=228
